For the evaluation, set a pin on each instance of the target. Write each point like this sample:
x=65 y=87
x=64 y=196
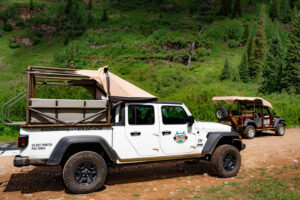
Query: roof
x=230 y=100
x=116 y=87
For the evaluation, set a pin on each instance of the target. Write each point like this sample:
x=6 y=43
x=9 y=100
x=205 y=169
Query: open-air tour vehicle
x=249 y=115
x=107 y=90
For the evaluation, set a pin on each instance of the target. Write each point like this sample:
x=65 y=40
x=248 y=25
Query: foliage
x=226 y=73
x=257 y=55
x=272 y=72
x=244 y=69
x=291 y=73
x=273 y=10
x=237 y=12
x=104 y=17
x=226 y=7
x=233 y=44
x=7 y=27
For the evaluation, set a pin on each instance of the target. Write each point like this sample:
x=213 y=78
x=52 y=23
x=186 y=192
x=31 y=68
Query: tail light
x=22 y=141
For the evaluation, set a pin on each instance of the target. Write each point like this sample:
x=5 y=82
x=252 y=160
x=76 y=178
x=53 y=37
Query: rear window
x=140 y=114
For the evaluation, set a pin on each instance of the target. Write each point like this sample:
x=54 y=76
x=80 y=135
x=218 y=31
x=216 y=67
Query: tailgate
x=9 y=149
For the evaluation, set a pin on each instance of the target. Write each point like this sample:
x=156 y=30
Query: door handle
x=135 y=133
x=166 y=133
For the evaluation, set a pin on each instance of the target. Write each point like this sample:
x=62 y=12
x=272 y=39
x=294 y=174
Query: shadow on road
x=50 y=178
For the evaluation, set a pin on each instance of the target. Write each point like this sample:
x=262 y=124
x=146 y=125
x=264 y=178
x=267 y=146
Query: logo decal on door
x=180 y=137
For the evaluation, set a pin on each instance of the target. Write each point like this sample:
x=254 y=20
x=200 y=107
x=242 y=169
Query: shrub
x=233 y=44
x=7 y=27
x=13 y=43
x=202 y=52
x=235 y=30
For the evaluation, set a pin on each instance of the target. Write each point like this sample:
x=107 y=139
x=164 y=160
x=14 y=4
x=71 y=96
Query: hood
x=212 y=127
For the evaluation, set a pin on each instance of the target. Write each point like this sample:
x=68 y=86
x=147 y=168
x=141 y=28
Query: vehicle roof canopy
x=118 y=88
x=230 y=100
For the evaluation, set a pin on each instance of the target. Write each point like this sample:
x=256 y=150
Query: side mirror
x=190 y=120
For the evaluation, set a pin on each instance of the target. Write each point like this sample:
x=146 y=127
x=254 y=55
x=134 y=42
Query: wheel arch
x=249 y=122
x=279 y=121
x=70 y=145
x=215 y=139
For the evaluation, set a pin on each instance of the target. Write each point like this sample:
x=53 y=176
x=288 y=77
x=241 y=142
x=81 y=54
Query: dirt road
x=163 y=180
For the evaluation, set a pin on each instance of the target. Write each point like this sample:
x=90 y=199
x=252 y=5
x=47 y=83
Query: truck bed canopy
x=230 y=100
x=116 y=87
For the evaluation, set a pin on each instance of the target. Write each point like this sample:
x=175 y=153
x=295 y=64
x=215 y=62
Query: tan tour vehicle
x=249 y=115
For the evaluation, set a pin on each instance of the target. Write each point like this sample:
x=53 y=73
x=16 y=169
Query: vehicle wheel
x=249 y=132
x=226 y=161
x=221 y=113
x=84 y=172
x=280 y=130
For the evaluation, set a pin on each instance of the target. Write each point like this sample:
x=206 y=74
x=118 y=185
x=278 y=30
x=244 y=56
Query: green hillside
x=148 y=43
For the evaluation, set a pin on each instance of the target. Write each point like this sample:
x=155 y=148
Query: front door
x=176 y=135
x=142 y=128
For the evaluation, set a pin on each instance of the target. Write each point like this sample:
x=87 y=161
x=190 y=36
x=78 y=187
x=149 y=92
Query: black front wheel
x=84 y=172
x=226 y=161
x=280 y=130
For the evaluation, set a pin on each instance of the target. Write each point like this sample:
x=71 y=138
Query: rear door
x=142 y=128
x=176 y=136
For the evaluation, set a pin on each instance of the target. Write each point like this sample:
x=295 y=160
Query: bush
x=235 y=30
x=7 y=27
x=13 y=43
x=202 y=52
x=233 y=44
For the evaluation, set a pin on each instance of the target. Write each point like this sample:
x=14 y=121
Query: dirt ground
x=151 y=181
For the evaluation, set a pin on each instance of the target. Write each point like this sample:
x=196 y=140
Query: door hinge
x=156 y=149
x=155 y=134
x=194 y=147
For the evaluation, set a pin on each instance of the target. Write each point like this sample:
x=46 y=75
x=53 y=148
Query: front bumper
x=25 y=161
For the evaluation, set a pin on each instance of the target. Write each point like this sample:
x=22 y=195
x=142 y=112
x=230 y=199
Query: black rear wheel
x=249 y=132
x=84 y=172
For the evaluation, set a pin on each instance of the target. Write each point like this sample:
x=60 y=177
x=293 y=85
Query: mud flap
x=9 y=149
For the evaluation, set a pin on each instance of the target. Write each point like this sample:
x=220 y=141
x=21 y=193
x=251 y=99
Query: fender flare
x=278 y=121
x=214 y=137
x=249 y=122
x=62 y=146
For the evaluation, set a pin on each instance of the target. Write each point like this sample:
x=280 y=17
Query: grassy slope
x=130 y=42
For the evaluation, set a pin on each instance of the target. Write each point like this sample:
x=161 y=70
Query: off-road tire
x=280 y=130
x=249 y=132
x=73 y=164
x=218 y=161
x=221 y=113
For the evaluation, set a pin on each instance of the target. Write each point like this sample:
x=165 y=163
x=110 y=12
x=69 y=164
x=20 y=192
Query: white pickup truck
x=133 y=132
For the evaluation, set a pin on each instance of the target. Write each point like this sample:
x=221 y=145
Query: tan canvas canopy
x=230 y=100
x=116 y=87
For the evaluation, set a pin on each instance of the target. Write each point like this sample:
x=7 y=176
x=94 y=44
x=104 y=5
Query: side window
x=173 y=115
x=140 y=115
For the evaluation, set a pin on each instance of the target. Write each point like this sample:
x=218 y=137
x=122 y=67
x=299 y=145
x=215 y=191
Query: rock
x=27 y=195
x=295 y=162
x=154 y=189
x=59 y=198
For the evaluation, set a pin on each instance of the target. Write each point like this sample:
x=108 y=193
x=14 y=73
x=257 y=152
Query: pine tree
x=273 y=10
x=237 y=9
x=291 y=74
x=246 y=33
x=292 y=4
x=68 y=6
x=272 y=72
x=226 y=71
x=243 y=69
x=285 y=11
x=31 y=5
x=249 y=48
x=90 y=5
x=226 y=7
x=104 y=17
x=257 y=54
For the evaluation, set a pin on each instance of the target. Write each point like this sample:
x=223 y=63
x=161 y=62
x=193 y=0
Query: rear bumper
x=25 y=161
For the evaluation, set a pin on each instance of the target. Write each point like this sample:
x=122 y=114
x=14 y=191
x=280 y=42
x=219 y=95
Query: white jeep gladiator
x=77 y=136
